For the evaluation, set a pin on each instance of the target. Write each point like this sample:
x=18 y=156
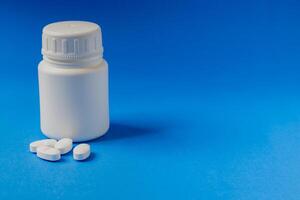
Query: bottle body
x=74 y=100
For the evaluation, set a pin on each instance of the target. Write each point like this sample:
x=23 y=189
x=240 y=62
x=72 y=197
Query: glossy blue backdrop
x=204 y=101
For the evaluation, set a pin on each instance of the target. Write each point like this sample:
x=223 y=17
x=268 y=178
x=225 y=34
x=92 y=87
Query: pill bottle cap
x=72 y=40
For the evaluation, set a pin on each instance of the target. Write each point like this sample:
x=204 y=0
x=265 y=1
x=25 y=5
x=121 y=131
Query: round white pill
x=64 y=145
x=48 y=153
x=81 y=152
x=46 y=142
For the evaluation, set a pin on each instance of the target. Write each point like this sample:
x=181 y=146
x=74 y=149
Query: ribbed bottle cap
x=72 y=40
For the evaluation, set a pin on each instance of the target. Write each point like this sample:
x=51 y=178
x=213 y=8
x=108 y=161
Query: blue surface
x=204 y=101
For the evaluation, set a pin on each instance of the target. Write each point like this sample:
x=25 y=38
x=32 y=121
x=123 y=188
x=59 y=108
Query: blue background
x=204 y=101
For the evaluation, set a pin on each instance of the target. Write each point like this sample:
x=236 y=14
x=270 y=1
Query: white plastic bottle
x=73 y=82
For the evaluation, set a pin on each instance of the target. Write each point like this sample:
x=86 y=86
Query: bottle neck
x=78 y=63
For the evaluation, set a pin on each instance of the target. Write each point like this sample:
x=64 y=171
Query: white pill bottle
x=73 y=82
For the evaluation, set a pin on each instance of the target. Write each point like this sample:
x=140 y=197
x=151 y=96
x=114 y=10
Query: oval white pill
x=48 y=153
x=46 y=142
x=81 y=152
x=64 y=145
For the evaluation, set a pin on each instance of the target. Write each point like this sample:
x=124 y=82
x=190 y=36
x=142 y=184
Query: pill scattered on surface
x=64 y=145
x=46 y=142
x=81 y=152
x=48 y=153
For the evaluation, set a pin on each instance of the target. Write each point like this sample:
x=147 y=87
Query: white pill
x=46 y=142
x=81 y=152
x=64 y=145
x=48 y=153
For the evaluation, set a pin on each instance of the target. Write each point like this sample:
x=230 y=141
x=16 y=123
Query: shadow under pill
x=90 y=158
